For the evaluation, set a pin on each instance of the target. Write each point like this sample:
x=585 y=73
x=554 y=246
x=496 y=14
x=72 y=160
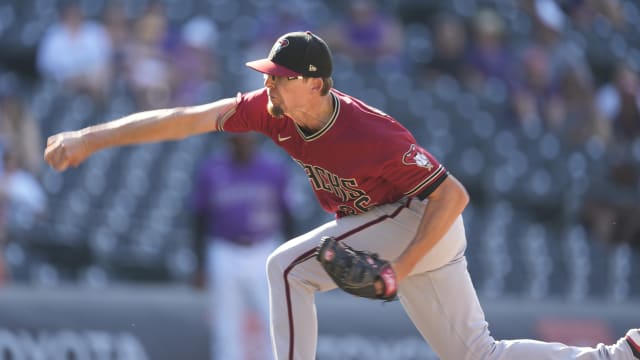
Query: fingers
x=58 y=160
x=49 y=149
x=51 y=139
x=56 y=154
x=61 y=159
x=66 y=149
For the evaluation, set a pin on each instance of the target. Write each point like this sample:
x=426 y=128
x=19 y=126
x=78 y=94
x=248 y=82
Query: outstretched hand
x=66 y=149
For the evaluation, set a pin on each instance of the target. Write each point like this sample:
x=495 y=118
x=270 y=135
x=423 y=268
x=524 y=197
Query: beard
x=275 y=110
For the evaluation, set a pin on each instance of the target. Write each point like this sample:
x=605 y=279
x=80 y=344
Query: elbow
x=457 y=193
x=191 y=121
x=464 y=199
x=462 y=196
x=458 y=198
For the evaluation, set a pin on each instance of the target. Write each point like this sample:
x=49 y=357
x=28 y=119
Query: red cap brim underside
x=267 y=66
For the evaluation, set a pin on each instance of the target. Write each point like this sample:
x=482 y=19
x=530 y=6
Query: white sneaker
x=633 y=339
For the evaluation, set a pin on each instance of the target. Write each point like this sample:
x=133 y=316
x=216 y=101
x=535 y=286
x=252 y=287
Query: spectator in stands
x=450 y=48
x=367 y=35
x=19 y=130
x=287 y=17
x=118 y=28
x=4 y=271
x=148 y=61
x=583 y=121
x=619 y=101
x=613 y=215
x=242 y=215
x=77 y=53
x=611 y=211
x=23 y=202
x=584 y=13
x=22 y=191
x=537 y=97
x=550 y=25
x=194 y=62
x=603 y=27
x=489 y=54
x=418 y=11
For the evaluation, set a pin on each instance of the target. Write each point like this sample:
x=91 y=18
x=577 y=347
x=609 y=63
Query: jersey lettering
x=324 y=179
x=346 y=190
x=346 y=210
x=335 y=184
x=362 y=203
x=308 y=169
x=351 y=187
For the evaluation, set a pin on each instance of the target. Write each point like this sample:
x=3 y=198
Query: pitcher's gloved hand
x=359 y=273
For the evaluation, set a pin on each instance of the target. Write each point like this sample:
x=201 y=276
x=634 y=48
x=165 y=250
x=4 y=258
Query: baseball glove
x=359 y=273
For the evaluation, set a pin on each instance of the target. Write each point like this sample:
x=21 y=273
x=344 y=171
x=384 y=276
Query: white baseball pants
x=237 y=285
x=438 y=296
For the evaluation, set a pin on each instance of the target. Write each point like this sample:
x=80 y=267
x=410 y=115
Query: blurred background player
x=241 y=215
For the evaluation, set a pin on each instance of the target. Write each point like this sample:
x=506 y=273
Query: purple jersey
x=241 y=202
x=359 y=159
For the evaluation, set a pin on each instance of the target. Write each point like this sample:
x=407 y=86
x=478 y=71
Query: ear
x=316 y=84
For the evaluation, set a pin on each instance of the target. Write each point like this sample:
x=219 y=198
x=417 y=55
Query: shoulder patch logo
x=417 y=157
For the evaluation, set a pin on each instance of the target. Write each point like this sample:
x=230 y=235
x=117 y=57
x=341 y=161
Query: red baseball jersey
x=361 y=158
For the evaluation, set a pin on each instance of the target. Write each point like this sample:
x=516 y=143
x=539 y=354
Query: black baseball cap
x=294 y=54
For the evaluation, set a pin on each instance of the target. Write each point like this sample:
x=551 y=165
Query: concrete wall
x=171 y=323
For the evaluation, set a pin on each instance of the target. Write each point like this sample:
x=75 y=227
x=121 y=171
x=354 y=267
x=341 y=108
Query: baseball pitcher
x=398 y=229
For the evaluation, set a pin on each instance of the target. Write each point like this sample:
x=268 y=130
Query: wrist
x=90 y=141
x=401 y=269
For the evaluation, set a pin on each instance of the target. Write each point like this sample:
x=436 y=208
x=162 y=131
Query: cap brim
x=267 y=66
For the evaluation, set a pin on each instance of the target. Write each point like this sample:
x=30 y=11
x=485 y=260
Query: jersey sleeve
x=250 y=114
x=414 y=170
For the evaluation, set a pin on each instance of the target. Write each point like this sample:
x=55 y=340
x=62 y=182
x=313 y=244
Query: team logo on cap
x=279 y=45
x=416 y=156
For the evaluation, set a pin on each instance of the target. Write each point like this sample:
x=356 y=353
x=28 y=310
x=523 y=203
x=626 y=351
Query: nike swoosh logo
x=281 y=139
